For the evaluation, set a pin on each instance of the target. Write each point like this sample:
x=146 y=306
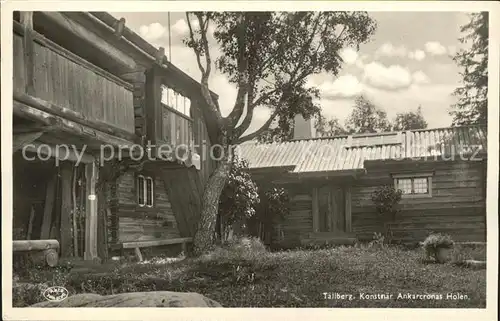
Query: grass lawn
x=287 y=279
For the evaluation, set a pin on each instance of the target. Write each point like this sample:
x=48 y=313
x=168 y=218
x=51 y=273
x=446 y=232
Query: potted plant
x=438 y=246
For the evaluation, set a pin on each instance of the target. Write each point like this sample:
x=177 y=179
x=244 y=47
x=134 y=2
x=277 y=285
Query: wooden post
x=74 y=211
x=315 y=211
x=29 y=51
x=66 y=207
x=30 y=224
x=91 y=212
x=348 y=214
x=153 y=112
x=49 y=206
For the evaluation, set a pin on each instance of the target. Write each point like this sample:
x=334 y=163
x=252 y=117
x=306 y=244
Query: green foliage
x=386 y=199
x=472 y=104
x=438 y=240
x=409 y=120
x=270 y=55
x=367 y=118
x=240 y=195
x=275 y=205
x=434 y=243
x=329 y=127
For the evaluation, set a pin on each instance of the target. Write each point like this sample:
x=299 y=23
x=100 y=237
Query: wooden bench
x=50 y=249
x=137 y=245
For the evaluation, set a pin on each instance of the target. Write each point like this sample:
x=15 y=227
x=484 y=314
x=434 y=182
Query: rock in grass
x=136 y=299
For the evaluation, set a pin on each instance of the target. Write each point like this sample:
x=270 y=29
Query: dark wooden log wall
x=139 y=224
x=457 y=205
x=100 y=96
x=298 y=223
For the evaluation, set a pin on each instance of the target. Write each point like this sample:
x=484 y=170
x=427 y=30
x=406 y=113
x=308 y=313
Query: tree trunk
x=204 y=237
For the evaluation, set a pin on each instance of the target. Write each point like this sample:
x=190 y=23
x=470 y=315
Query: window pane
x=164 y=95
x=420 y=185
x=140 y=191
x=187 y=106
x=149 y=191
x=404 y=184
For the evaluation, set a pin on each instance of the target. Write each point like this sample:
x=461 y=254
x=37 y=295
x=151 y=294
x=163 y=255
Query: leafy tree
x=329 y=127
x=239 y=198
x=268 y=56
x=471 y=107
x=410 y=120
x=367 y=118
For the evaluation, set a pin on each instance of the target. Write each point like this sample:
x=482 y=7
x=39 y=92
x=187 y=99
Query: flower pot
x=443 y=254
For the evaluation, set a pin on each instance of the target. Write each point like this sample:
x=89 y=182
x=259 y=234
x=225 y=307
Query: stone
x=157 y=299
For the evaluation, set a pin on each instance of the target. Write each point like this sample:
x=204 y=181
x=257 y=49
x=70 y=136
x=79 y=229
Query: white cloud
x=435 y=48
x=419 y=77
x=153 y=31
x=344 y=87
x=389 y=50
x=418 y=55
x=180 y=27
x=349 y=55
x=393 y=77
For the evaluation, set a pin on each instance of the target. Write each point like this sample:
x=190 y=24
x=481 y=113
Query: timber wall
x=457 y=206
x=298 y=223
x=138 y=223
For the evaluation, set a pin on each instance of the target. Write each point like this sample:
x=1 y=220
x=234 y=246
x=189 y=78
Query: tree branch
x=260 y=130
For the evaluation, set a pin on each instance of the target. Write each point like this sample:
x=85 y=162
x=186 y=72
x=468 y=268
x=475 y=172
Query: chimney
x=304 y=129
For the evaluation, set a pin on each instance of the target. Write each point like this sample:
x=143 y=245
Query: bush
x=437 y=241
x=238 y=199
x=386 y=199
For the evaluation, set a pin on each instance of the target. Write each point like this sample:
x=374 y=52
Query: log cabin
x=94 y=106
x=330 y=180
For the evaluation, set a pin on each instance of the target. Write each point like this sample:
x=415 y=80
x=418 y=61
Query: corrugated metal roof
x=342 y=153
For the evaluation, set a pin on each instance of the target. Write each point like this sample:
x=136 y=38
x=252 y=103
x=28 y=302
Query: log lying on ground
x=34 y=245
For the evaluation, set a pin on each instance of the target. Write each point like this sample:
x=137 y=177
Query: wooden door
x=331 y=209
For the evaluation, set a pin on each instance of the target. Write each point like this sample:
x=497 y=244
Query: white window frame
x=412 y=177
x=142 y=179
x=176 y=101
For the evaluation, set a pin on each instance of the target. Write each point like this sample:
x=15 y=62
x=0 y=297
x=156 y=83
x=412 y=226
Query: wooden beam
x=74 y=212
x=73 y=116
x=89 y=38
x=315 y=211
x=20 y=140
x=30 y=223
x=29 y=51
x=42 y=41
x=152 y=110
x=91 y=212
x=34 y=245
x=67 y=126
x=66 y=207
x=139 y=244
x=49 y=207
x=348 y=208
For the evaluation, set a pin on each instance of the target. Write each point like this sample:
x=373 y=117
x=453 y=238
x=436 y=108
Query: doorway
x=331 y=209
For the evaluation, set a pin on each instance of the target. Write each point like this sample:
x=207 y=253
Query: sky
x=406 y=64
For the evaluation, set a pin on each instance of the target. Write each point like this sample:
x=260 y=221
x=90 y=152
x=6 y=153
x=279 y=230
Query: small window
x=145 y=191
x=414 y=185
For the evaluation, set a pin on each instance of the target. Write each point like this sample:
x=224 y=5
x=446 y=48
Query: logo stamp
x=55 y=294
